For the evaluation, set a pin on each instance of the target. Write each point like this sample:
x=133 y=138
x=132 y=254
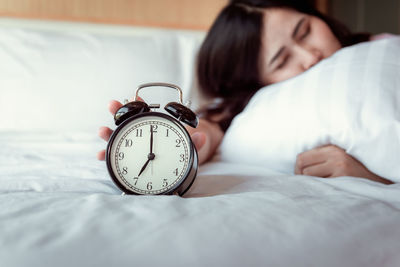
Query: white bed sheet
x=58 y=207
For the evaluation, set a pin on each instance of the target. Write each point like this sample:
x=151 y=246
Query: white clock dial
x=150 y=155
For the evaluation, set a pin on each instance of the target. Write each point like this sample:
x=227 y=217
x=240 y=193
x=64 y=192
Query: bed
x=59 y=207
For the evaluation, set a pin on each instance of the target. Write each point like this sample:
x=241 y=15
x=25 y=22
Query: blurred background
x=373 y=16
x=70 y=57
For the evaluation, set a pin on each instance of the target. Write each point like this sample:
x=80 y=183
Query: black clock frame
x=190 y=174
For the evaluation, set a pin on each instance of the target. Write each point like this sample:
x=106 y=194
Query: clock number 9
x=121 y=155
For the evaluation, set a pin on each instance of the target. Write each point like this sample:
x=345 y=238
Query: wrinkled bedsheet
x=58 y=207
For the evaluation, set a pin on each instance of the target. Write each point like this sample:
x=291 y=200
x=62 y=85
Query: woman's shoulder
x=380 y=36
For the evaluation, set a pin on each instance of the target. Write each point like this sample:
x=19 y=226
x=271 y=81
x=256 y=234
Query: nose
x=308 y=57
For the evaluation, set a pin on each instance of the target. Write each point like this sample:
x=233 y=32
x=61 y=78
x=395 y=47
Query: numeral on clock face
x=128 y=142
x=151 y=155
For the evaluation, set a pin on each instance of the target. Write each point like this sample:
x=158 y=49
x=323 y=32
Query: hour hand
x=150 y=157
x=144 y=167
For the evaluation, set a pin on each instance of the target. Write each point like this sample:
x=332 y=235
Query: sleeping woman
x=254 y=43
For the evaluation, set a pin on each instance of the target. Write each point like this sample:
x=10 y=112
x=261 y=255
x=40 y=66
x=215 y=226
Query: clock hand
x=151 y=139
x=144 y=167
x=151 y=155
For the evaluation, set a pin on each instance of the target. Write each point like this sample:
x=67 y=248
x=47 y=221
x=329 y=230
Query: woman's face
x=292 y=42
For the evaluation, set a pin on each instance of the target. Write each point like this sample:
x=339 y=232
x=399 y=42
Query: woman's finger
x=315 y=156
x=113 y=106
x=105 y=133
x=138 y=99
x=319 y=170
x=101 y=155
x=199 y=139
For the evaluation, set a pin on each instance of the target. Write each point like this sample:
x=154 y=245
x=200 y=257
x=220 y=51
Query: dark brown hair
x=227 y=63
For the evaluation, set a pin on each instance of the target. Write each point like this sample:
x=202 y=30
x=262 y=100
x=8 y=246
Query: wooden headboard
x=184 y=14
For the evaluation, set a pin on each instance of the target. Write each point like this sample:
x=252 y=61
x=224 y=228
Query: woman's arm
x=332 y=161
x=206 y=137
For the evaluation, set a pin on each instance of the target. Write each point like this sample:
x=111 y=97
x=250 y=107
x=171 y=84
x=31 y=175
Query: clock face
x=150 y=155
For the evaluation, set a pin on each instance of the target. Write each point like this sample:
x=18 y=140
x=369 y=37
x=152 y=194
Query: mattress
x=60 y=208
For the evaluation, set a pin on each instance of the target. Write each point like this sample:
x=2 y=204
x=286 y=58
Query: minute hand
x=151 y=139
x=151 y=155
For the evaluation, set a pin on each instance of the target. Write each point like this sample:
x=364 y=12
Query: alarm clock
x=151 y=153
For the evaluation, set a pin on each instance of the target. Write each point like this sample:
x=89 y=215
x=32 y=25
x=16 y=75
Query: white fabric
x=62 y=75
x=351 y=100
x=58 y=207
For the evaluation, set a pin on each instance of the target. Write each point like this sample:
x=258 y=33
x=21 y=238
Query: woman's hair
x=227 y=63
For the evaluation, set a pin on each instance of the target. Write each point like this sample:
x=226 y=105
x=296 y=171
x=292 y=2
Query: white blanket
x=58 y=207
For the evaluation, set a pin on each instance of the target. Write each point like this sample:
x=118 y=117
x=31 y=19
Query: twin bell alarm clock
x=151 y=153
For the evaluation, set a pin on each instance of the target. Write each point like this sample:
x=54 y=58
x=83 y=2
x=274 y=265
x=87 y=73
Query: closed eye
x=305 y=34
x=283 y=63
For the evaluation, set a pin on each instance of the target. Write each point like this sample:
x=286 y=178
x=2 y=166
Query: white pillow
x=351 y=100
x=61 y=76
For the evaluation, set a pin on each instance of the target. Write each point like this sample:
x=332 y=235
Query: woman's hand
x=206 y=137
x=105 y=132
x=332 y=161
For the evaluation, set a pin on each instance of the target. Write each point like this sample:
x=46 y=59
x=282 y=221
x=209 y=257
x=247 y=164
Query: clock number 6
x=149 y=186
